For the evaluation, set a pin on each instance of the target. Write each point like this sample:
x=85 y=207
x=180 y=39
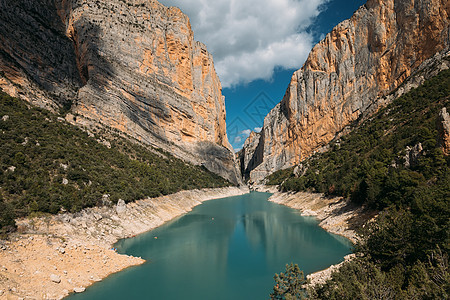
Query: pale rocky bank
x=335 y=214
x=53 y=256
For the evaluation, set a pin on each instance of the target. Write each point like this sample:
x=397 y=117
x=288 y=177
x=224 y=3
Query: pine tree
x=289 y=285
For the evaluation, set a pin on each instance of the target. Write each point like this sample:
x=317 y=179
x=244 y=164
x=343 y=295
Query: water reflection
x=224 y=249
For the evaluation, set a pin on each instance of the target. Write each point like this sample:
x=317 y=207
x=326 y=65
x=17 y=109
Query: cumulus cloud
x=245 y=132
x=258 y=129
x=241 y=136
x=250 y=38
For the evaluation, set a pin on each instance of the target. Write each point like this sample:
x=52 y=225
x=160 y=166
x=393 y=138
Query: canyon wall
x=131 y=66
x=347 y=76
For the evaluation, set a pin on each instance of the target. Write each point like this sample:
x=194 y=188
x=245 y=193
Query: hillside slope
x=48 y=165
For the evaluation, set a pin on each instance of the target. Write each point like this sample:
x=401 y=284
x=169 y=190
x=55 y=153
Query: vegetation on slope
x=394 y=163
x=289 y=285
x=47 y=165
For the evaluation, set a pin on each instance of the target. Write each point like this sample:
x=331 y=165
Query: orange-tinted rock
x=348 y=74
x=129 y=65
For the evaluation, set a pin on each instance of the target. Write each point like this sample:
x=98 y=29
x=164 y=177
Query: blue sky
x=257 y=45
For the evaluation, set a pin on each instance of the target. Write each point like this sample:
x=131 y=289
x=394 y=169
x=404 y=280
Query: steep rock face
x=130 y=65
x=348 y=74
x=251 y=155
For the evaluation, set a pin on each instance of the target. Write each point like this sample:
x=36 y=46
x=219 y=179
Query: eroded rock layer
x=131 y=65
x=348 y=74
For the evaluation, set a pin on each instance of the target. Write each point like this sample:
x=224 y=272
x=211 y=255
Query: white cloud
x=245 y=132
x=237 y=140
x=241 y=137
x=258 y=129
x=250 y=38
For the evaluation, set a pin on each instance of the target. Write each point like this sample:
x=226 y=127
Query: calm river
x=224 y=249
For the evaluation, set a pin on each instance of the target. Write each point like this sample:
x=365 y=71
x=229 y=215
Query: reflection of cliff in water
x=224 y=249
x=204 y=241
x=281 y=234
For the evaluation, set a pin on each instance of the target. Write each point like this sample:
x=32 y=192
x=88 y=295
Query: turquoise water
x=224 y=249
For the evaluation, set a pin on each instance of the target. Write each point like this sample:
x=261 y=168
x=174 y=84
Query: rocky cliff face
x=132 y=65
x=251 y=155
x=348 y=74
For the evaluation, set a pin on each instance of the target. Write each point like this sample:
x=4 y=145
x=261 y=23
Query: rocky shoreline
x=52 y=256
x=335 y=215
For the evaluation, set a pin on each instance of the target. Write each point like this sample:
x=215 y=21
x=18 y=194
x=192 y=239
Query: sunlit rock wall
x=133 y=66
x=348 y=74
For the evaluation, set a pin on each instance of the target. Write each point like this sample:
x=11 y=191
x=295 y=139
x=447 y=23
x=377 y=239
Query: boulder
x=121 y=207
x=105 y=200
x=444 y=130
x=79 y=289
x=55 y=278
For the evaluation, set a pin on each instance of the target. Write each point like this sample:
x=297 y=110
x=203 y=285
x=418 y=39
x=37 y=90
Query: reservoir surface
x=227 y=248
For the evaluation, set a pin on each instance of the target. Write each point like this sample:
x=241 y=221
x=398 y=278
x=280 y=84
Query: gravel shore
x=52 y=256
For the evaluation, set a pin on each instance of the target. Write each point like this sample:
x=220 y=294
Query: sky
x=257 y=45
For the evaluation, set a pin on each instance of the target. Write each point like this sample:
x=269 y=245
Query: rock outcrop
x=132 y=66
x=412 y=155
x=410 y=158
x=444 y=130
x=348 y=75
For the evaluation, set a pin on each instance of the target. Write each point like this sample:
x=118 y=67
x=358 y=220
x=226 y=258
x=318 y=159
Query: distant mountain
x=346 y=78
x=131 y=66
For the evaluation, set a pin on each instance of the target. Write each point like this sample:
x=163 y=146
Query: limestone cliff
x=348 y=74
x=251 y=155
x=132 y=66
